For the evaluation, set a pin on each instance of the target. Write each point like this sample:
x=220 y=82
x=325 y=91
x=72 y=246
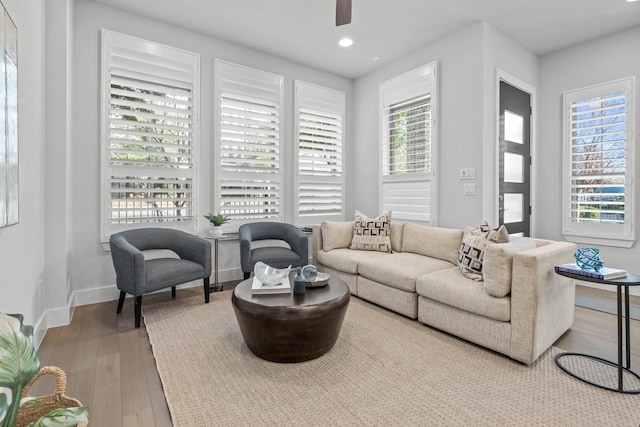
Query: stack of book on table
x=605 y=273
x=283 y=287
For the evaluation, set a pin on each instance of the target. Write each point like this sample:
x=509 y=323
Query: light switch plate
x=467 y=173
x=469 y=189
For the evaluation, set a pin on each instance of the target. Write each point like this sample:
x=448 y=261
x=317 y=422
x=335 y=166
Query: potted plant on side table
x=216 y=221
x=19 y=367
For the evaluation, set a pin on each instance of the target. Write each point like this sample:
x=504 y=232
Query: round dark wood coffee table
x=291 y=328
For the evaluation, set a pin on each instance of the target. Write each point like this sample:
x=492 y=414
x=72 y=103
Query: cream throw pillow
x=498 y=265
x=372 y=234
x=336 y=234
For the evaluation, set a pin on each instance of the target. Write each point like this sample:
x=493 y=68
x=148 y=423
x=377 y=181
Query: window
x=149 y=134
x=409 y=137
x=408 y=145
x=598 y=164
x=319 y=134
x=249 y=148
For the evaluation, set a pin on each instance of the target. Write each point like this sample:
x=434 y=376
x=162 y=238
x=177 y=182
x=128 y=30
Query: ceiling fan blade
x=343 y=12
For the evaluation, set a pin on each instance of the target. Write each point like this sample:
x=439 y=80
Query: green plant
x=217 y=219
x=18 y=364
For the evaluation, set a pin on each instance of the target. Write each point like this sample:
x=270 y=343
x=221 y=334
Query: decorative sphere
x=587 y=259
x=309 y=272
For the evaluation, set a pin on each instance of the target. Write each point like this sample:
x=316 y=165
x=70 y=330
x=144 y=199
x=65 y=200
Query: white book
x=283 y=287
x=605 y=273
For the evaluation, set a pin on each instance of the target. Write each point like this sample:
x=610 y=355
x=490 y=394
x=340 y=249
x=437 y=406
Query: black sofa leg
x=246 y=275
x=121 y=301
x=173 y=292
x=138 y=310
x=207 y=289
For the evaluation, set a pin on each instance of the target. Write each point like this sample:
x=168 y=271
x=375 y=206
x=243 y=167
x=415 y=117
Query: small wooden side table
x=624 y=363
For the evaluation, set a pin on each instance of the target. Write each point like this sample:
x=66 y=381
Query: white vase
x=215 y=231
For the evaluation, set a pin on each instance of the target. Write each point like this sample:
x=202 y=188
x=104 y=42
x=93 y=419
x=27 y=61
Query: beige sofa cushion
x=336 y=234
x=450 y=287
x=396 y=236
x=347 y=260
x=435 y=242
x=498 y=262
x=400 y=270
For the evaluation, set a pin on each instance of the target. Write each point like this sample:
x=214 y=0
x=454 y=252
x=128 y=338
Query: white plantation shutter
x=320 y=137
x=408 y=145
x=150 y=133
x=249 y=105
x=599 y=161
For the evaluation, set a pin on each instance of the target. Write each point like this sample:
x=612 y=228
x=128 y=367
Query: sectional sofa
x=519 y=309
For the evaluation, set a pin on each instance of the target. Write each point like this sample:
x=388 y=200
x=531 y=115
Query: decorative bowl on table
x=320 y=280
x=313 y=278
x=268 y=275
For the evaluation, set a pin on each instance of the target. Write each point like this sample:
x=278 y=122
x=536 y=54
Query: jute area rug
x=384 y=370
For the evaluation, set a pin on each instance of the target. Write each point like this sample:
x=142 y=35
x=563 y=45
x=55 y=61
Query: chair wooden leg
x=121 y=301
x=206 y=290
x=246 y=275
x=173 y=292
x=138 y=310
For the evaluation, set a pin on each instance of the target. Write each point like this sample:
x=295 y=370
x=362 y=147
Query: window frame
x=185 y=63
x=419 y=187
x=619 y=235
x=259 y=76
x=329 y=103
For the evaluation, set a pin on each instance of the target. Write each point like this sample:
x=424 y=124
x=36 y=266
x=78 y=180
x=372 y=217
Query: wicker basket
x=29 y=412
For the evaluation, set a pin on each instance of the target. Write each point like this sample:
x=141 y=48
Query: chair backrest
x=256 y=231
x=267 y=231
x=151 y=238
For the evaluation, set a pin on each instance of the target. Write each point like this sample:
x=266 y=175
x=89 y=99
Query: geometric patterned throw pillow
x=473 y=248
x=372 y=234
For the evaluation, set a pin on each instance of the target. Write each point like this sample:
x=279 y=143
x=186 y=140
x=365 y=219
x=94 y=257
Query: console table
x=624 y=363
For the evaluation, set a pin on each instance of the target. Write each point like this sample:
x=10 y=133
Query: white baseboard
x=62 y=316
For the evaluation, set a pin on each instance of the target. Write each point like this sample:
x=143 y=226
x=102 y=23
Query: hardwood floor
x=110 y=366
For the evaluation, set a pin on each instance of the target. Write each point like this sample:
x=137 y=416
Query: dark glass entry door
x=515 y=160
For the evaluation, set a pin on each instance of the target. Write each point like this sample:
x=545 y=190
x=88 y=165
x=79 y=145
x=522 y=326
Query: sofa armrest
x=316 y=243
x=542 y=302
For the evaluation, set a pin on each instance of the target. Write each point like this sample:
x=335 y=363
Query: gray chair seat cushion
x=164 y=272
x=278 y=257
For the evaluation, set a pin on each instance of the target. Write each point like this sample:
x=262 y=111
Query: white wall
x=467 y=63
x=605 y=59
x=91 y=269
x=459 y=59
x=22 y=255
x=502 y=58
x=58 y=84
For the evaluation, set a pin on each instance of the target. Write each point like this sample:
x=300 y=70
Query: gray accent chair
x=136 y=275
x=275 y=256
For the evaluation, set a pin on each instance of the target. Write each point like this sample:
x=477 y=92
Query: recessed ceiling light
x=376 y=58
x=345 y=42
x=631 y=1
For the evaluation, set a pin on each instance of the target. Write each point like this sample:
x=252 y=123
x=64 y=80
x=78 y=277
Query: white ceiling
x=304 y=31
